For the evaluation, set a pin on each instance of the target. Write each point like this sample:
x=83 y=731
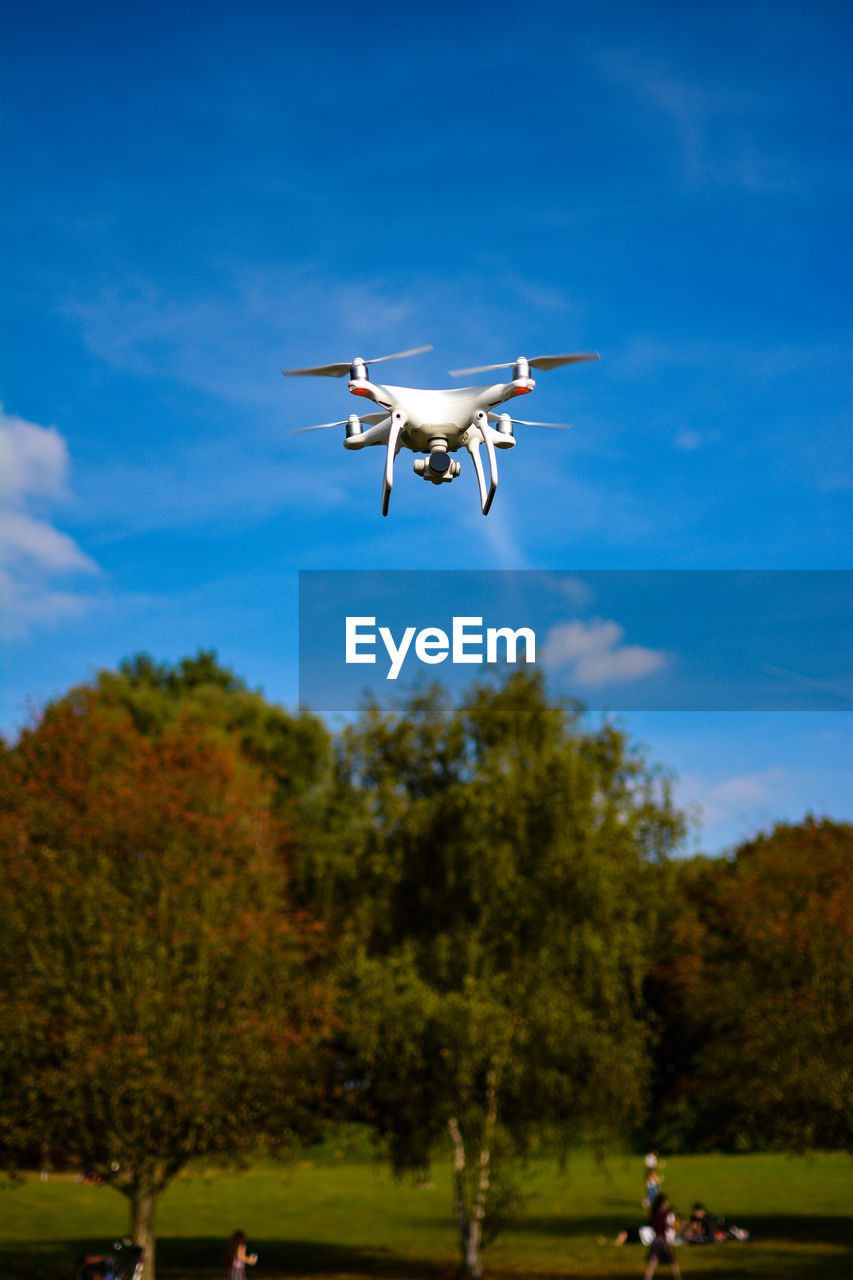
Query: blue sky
x=199 y=195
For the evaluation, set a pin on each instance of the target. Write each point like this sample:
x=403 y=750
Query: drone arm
x=398 y=421
x=376 y=433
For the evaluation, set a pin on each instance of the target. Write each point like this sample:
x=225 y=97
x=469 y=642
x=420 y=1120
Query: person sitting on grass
x=631 y=1235
x=661 y=1247
x=702 y=1227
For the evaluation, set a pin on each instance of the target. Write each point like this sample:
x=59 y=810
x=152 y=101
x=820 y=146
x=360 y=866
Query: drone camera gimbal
x=438 y=467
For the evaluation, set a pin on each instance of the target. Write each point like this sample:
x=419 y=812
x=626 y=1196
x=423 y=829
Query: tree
x=756 y=999
x=494 y=902
x=159 y=1000
x=294 y=750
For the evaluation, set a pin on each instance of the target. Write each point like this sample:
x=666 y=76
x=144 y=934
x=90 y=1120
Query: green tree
x=489 y=882
x=754 y=991
x=294 y=750
x=158 y=993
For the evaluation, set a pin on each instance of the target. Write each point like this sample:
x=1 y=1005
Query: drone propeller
x=370 y=418
x=521 y=422
x=339 y=370
x=540 y=362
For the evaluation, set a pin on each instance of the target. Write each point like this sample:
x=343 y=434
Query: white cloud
x=35 y=604
x=34 y=465
x=33 y=461
x=43 y=547
x=595 y=655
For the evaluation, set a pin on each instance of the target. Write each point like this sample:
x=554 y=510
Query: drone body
x=437 y=423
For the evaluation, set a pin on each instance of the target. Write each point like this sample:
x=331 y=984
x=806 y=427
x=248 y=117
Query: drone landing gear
x=481 y=433
x=398 y=421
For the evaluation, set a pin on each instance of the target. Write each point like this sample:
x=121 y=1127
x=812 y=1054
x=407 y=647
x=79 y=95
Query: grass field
x=342 y=1218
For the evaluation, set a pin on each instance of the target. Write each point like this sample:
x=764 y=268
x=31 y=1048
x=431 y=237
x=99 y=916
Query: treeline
x=751 y=992
x=459 y=924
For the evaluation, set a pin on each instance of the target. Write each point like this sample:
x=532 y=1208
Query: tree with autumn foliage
x=753 y=992
x=292 y=748
x=160 y=997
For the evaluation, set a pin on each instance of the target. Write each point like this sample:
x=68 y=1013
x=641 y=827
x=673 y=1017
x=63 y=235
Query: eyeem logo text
x=467 y=642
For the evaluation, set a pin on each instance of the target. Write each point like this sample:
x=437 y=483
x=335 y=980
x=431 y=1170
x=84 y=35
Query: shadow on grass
x=181 y=1258
x=202 y=1258
x=781 y=1248
x=782 y=1228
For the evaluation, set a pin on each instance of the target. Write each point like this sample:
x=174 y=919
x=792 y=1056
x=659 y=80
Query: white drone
x=437 y=423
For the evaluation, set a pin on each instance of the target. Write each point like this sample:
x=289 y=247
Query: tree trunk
x=143 y=1205
x=470 y=1223
x=470 y=1261
x=478 y=1213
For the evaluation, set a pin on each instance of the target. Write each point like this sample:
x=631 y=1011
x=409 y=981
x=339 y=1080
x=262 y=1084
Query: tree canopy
x=496 y=897
x=293 y=749
x=753 y=989
x=159 y=1000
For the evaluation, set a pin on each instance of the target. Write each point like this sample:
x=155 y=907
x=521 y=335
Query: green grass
x=342 y=1218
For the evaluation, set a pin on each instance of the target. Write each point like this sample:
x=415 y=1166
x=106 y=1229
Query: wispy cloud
x=743 y=802
x=594 y=653
x=689 y=439
x=34 y=467
x=575 y=590
x=232 y=341
x=717 y=129
x=648 y=356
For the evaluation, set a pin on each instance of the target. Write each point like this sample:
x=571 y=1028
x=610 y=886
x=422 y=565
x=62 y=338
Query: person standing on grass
x=236 y=1257
x=661 y=1249
x=654 y=1167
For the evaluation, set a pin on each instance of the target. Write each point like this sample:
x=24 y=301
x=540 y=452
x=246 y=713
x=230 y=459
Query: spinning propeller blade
x=540 y=362
x=522 y=422
x=554 y=362
x=321 y=426
x=370 y=418
x=339 y=370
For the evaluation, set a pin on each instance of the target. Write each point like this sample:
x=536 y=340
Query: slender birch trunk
x=478 y=1212
x=471 y=1224
x=459 y=1186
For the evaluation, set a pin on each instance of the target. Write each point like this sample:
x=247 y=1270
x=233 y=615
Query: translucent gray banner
x=616 y=640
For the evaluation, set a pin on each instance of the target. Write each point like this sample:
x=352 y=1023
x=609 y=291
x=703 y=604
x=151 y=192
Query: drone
x=437 y=423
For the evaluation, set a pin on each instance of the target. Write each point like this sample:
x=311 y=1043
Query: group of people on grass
x=667 y=1228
